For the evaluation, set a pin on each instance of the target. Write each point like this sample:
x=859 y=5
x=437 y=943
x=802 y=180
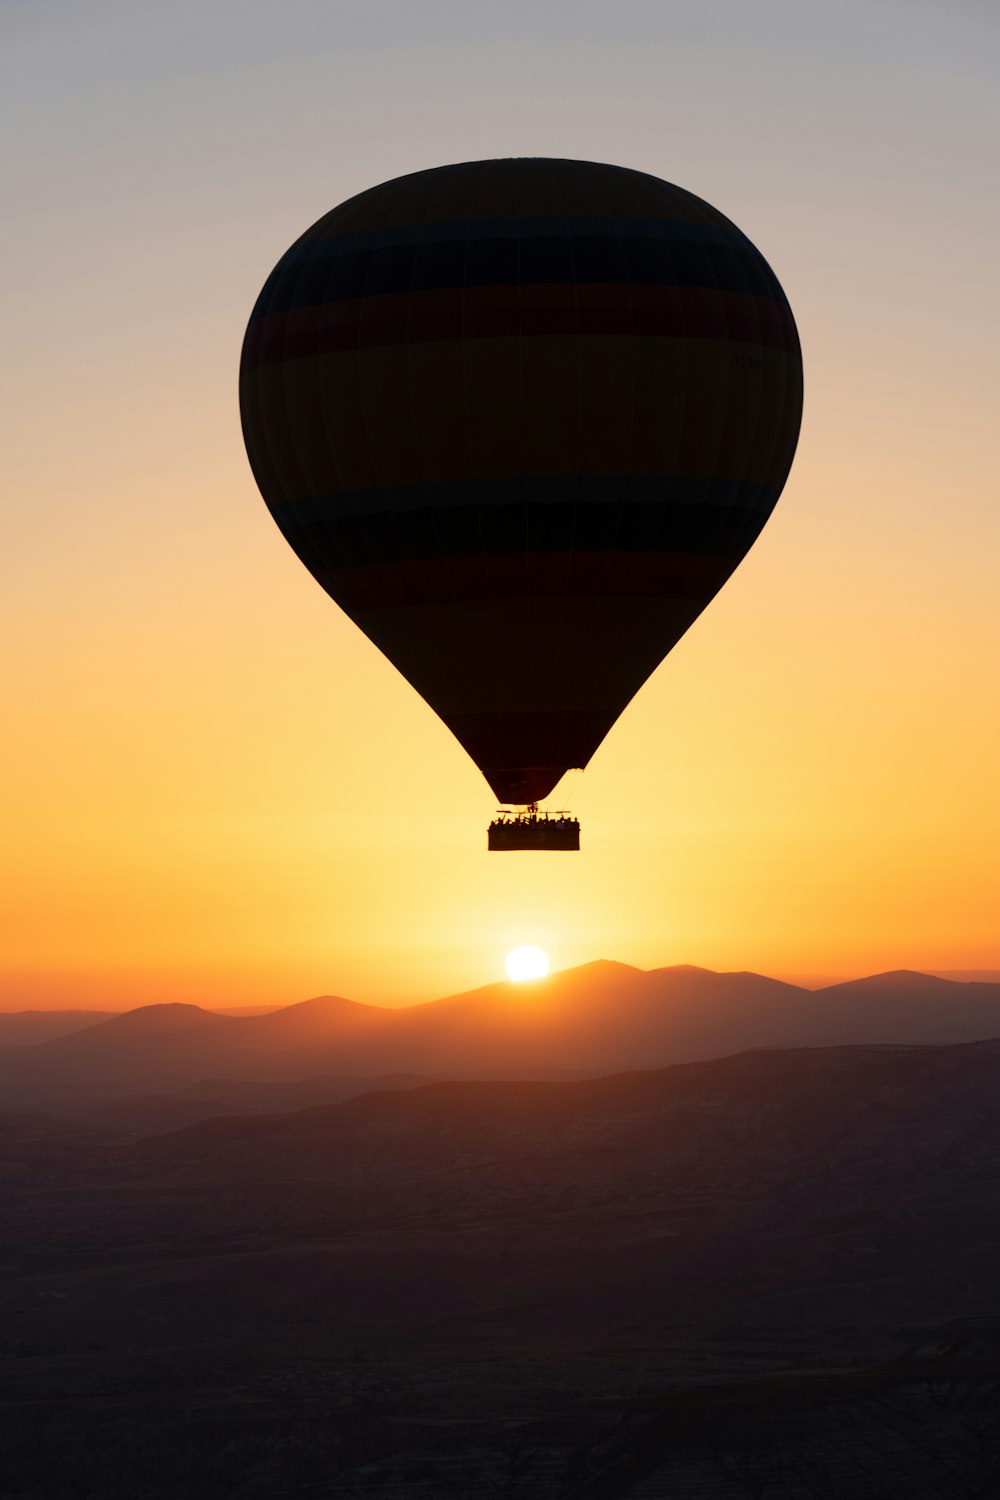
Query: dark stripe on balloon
x=405 y=320
x=549 y=260
x=550 y=575
x=662 y=490
x=465 y=531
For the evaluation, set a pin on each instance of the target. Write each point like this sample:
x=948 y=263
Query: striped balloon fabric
x=522 y=419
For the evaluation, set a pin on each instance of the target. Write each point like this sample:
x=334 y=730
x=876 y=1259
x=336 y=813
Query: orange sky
x=215 y=788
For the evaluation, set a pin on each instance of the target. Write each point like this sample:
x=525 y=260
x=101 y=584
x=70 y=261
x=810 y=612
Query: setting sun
x=526 y=963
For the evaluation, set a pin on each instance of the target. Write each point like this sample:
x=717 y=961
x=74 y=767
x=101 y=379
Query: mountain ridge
x=598 y=1017
x=623 y=1092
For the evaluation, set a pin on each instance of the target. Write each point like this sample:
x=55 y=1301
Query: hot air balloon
x=522 y=419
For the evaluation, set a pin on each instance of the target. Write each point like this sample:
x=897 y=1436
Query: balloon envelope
x=522 y=419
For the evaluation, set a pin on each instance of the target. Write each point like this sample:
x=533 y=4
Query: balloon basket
x=533 y=830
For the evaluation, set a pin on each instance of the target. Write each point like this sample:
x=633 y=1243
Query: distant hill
x=23 y=1028
x=969 y=976
x=322 y=1021
x=242 y=1010
x=602 y=1017
x=904 y=1005
x=131 y=1031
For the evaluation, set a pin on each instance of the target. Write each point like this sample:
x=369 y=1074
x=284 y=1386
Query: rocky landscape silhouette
x=299 y=1254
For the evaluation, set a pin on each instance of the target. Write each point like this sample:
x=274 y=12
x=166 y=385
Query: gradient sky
x=215 y=789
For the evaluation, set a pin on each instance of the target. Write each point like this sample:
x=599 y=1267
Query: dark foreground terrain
x=770 y=1275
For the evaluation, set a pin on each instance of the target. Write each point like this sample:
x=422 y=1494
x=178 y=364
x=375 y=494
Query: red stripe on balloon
x=446 y=580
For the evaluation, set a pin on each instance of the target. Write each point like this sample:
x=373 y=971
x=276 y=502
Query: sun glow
x=526 y=963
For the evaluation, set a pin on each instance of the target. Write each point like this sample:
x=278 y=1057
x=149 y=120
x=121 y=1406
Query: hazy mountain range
x=600 y=1018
